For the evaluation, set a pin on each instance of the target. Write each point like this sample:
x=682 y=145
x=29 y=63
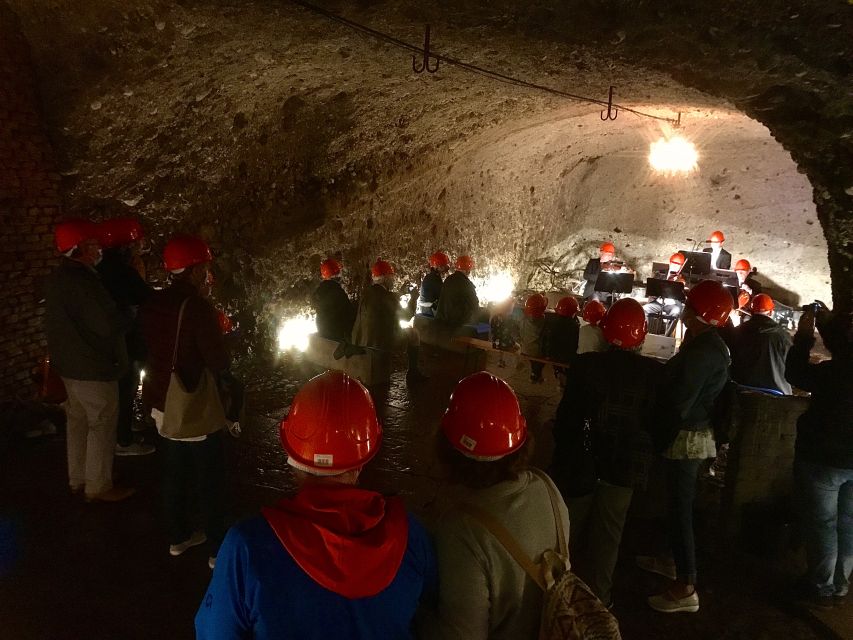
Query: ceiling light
x=673 y=155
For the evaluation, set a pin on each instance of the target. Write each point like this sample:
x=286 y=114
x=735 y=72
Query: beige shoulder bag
x=191 y=414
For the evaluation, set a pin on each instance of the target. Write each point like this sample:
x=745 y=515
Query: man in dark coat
x=335 y=312
x=720 y=258
x=119 y=238
x=606 y=255
x=823 y=461
x=430 y=291
x=377 y=321
x=759 y=347
x=603 y=447
x=458 y=304
x=85 y=338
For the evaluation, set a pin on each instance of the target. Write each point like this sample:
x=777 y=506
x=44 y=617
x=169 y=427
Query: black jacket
x=335 y=312
x=693 y=378
x=129 y=291
x=759 y=347
x=724 y=261
x=590 y=274
x=458 y=304
x=85 y=328
x=825 y=430
x=377 y=321
x=560 y=338
x=606 y=411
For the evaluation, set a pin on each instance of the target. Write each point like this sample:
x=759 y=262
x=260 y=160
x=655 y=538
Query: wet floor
x=103 y=571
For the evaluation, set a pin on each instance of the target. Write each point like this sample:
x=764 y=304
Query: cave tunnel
x=282 y=137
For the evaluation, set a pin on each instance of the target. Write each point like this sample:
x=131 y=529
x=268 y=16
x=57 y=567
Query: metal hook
x=425 y=65
x=611 y=112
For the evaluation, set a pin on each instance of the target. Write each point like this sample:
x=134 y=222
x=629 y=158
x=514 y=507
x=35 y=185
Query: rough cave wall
x=257 y=123
x=29 y=206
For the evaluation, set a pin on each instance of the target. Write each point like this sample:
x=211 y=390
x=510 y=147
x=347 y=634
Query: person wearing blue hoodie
x=333 y=561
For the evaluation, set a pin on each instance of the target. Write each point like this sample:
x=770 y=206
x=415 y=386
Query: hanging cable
x=472 y=68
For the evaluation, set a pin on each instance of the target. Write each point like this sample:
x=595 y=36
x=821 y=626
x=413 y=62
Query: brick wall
x=761 y=456
x=29 y=207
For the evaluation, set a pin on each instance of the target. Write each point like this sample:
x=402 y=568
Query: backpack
x=570 y=611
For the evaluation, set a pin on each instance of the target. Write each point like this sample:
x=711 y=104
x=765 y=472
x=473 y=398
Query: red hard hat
x=567 y=307
x=465 y=263
x=535 y=306
x=762 y=303
x=381 y=268
x=716 y=236
x=484 y=421
x=331 y=427
x=607 y=247
x=225 y=324
x=743 y=265
x=119 y=231
x=330 y=268
x=677 y=258
x=625 y=324
x=711 y=302
x=70 y=233
x=594 y=311
x=184 y=251
x=439 y=259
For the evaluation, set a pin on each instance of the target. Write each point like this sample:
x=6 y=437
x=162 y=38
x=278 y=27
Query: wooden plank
x=485 y=345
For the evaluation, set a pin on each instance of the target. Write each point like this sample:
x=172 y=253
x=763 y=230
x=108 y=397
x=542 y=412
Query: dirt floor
x=103 y=571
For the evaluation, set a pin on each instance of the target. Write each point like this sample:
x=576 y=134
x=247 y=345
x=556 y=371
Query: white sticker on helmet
x=323 y=459
x=468 y=442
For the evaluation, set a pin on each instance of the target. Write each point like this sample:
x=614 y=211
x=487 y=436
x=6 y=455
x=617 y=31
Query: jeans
x=681 y=478
x=128 y=387
x=825 y=501
x=204 y=462
x=597 y=522
x=91 y=410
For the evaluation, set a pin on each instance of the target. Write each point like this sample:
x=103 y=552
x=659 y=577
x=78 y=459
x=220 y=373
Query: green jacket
x=85 y=329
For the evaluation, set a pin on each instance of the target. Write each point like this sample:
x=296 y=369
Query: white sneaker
x=194 y=540
x=134 y=449
x=665 y=604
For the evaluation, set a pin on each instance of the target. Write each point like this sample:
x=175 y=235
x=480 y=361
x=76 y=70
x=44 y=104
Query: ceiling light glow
x=673 y=155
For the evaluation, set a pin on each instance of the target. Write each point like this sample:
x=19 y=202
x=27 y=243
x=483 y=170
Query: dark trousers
x=203 y=464
x=128 y=387
x=681 y=476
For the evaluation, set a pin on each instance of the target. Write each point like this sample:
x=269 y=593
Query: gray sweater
x=483 y=592
x=85 y=329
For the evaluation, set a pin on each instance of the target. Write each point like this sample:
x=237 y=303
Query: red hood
x=349 y=540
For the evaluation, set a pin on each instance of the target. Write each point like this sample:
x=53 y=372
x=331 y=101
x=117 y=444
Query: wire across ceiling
x=472 y=68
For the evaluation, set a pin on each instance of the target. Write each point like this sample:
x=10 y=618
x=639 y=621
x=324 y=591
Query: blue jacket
x=258 y=591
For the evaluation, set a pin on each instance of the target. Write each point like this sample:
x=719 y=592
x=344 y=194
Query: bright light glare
x=494 y=287
x=406 y=324
x=293 y=332
x=142 y=374
x=675 y=155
